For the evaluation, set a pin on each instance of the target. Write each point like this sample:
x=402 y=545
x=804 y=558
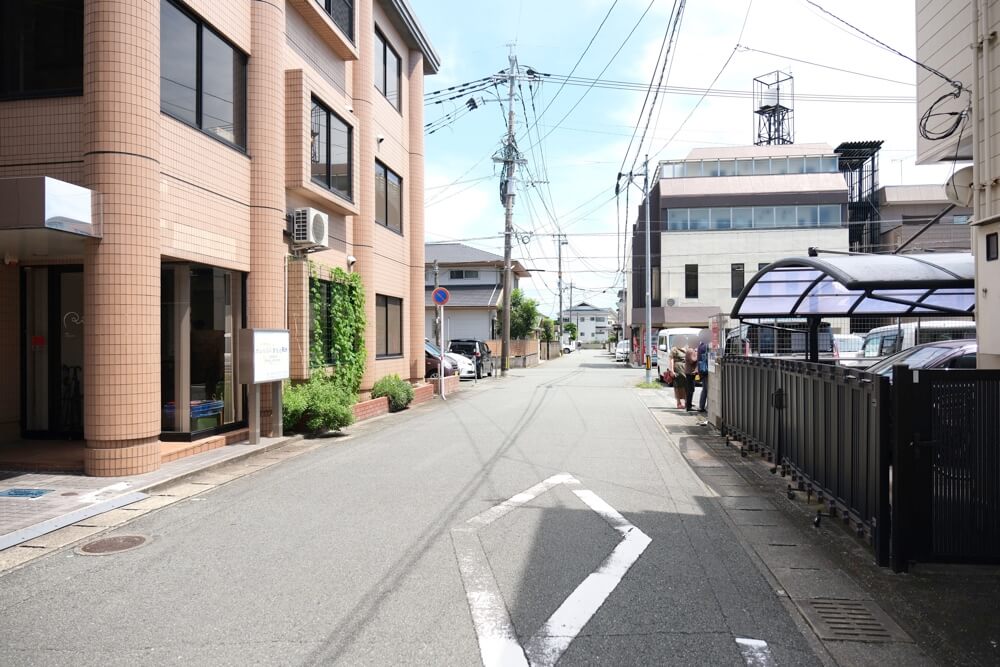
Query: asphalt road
x=362 y=551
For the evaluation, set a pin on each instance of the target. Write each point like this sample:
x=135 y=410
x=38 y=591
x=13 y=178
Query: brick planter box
x=373 y=407
x=422 y=393
x=451 y=384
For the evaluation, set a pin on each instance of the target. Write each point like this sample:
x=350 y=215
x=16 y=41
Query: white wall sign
x=267 y=353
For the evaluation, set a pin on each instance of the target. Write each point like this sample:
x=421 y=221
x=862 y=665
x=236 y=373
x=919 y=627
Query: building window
x=388 y=70
x=463 y=274
x=41 y=48
x=321 y=324
x=203 y=78
x=342 y=13
x=736 y=273
x=388 y=198
x=756 y=217
x=388 y=326
x=960 y=219
x=991 y=247
x=655 y=287
x=762 y=265
x=331 y=151
x=690 y=281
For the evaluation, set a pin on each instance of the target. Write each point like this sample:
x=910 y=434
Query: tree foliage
x=523 y=315
x=571 y=330
x=548 y=330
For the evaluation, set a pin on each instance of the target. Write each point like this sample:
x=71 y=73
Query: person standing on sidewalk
x=678 y=363
x=703 y=369
x=690 y=369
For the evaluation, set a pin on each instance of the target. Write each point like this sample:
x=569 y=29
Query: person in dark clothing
x=690 y=368
x=703 y=370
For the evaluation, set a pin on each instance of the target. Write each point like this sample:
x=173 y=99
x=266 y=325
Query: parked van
x=883 y=341
x=665 y=341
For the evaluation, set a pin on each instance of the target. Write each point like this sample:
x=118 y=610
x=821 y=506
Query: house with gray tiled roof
x=474 y=279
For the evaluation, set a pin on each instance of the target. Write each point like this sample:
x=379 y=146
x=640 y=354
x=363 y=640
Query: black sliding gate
x=926 y=489
x=948 y=492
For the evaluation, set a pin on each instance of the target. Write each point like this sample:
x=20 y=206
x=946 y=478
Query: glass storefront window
x=201 y=315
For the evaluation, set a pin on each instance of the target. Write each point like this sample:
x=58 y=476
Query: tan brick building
x=153 y=157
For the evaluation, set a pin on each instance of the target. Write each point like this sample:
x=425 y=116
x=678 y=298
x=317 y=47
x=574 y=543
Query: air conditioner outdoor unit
x=310 y=228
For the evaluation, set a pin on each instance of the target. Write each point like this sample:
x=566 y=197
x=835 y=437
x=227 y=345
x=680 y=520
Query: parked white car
x=883 y=341
x=466 y=367
x=849 y=346
x=621 y=351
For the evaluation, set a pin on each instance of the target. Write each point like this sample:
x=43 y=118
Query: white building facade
x=594 y=324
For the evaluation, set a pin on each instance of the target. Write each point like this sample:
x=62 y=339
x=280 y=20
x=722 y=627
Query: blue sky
x=570 y=173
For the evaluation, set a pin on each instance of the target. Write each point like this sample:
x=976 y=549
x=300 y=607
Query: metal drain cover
x=851 y=620
x=112 y=545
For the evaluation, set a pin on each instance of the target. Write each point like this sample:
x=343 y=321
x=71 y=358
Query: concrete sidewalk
x=69 y=498
x=863 y=614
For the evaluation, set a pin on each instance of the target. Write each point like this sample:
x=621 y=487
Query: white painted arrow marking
x=498 y=644
x=95 y=496
x=755 y=652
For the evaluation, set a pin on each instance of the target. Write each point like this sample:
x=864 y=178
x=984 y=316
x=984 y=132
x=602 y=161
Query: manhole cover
x=112 y=545
x=857 y=620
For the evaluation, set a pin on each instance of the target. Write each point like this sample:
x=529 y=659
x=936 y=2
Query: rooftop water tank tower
x=773 y=99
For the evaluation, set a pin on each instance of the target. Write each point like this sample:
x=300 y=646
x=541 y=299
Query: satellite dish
x=958 y=188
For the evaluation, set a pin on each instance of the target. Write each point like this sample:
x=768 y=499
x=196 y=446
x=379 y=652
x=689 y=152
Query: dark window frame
x=991 y=247
x=42 y=93
x=328 y=183
x=200 y=26
x=463 y=274
x=383 y=41
x=690 y=281
x=327 y=6
x=382 y=325
x=737 y=279
x=381 y=166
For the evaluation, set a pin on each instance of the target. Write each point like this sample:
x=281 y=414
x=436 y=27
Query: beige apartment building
x=168 y=171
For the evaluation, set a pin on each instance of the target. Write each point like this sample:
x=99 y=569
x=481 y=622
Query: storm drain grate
x=112 y=545
x=852 y=620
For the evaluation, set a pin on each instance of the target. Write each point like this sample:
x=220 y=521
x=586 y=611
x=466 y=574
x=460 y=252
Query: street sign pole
x=440 y=297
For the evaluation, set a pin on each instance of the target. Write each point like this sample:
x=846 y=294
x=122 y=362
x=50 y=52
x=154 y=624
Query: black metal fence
x=827 y=426
x=947 y=487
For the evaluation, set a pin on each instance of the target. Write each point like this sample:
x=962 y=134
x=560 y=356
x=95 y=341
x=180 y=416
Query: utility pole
x=437 y=318
x=649 y=279
x=510 y=160
x=560 y=242
x=571 y=312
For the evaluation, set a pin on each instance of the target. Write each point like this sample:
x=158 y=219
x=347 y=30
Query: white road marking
x=95 y=496
x=755 y=652
x=498 y=644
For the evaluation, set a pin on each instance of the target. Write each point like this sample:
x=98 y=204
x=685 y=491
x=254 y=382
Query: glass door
x=53 y=352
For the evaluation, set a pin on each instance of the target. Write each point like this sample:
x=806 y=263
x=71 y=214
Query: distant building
x=474 y=278
x=905 y=209
x=721 y=215
x=593 y=324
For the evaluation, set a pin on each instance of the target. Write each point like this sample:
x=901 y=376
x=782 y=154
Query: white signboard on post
x=264 y=355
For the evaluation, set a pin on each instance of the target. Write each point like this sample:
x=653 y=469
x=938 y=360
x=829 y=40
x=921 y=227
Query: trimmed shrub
x=316 y=406
x=398 y=391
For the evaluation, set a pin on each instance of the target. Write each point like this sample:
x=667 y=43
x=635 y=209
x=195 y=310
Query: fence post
x=902 y=418
x=883 y=465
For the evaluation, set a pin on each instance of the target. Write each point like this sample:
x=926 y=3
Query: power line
x=743 y=47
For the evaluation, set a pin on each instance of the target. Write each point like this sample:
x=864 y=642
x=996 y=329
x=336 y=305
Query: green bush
x=398 y=390
x=316 y=406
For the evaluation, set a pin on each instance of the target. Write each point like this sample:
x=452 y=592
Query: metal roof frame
x=905 y=285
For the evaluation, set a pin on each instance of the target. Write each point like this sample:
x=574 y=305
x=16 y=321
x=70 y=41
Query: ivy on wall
x=342 y=310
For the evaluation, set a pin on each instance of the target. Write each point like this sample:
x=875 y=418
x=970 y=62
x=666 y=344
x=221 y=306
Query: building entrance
x=52 y=352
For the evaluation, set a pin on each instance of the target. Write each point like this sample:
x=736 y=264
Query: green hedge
x=398 y=390
x=317 y=406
